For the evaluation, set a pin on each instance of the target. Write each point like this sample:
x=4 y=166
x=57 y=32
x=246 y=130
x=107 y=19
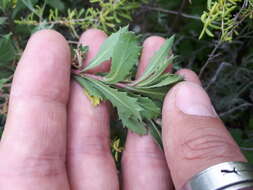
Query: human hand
x=55 y=139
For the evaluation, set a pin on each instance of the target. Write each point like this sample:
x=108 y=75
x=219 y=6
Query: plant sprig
x=225 y=16
x=138 y=102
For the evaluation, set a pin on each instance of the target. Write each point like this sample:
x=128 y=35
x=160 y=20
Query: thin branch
x=210 y=57
x=172 y=12
x=216 y=74
x=235 y=109
x=246 y=148
x=100 y=78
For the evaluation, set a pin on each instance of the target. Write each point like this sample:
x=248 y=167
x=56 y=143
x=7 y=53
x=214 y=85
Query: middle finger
x=143 y=164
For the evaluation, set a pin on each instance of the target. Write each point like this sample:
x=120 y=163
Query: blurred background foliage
x=213 y=38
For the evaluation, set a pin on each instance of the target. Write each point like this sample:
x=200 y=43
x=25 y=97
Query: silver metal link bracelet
x=223 y=176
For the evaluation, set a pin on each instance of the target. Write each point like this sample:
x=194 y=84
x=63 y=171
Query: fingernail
x=193 y=100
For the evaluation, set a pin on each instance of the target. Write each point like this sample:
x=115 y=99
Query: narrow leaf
x=124 y=57
x=133 y=124
x=158 y=57
x=29 y=5
x=154 y=93
x=106 y=49
x=94 y=95
x=165 y=80
x=125 y=104
x=151 y=109
x=156 y=73
x=155 y=132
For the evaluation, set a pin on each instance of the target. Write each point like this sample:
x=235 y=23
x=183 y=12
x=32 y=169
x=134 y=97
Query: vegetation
x=213 y=38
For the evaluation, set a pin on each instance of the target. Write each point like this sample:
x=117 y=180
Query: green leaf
x=129 y=110
x=133 y=124
x=237 y=135
x=7 y=50
x=155 y=131
x=125 y=104
x=249 y=156
x=155 y=93
x=21 y=6
x=159 y=58
x=150 y=108
x=29 y=5
x=157 y=73
x=92 y=91
x=165 y=80
x=57 y=4
x=2 y=82
x=4 y=4
x=2 y=20
x=106 y=49
x=125 y=56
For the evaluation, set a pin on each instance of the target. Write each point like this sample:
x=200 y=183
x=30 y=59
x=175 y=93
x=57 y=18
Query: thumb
x=193 y=135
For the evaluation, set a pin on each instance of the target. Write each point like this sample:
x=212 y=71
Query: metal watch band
x=223 y=176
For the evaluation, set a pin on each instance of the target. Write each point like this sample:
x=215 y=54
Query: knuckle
x=90 y=145
x=208 y=144
x=143 y=153
x=33 y=166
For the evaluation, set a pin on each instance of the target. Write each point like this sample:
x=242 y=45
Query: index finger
x=32 y=149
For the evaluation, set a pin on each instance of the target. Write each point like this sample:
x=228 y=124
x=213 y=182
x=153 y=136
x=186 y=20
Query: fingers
x=189 y=76
x=143 y=163
x=90 y=163
x=32 y=149
x=193 y=135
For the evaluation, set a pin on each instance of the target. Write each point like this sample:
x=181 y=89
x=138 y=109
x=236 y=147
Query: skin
x=55 y=139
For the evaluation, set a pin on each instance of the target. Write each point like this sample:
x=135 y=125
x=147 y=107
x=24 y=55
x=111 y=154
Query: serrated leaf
x=94 y=95
x=159 y=58
x=106 y=49
x=151 y=109
x=87 y=85
x=125 y=104
x=133 y=124
x=124 y=57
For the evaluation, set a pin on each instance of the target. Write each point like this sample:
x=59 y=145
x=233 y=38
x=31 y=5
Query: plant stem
x=172 y=12
x=100 y=78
